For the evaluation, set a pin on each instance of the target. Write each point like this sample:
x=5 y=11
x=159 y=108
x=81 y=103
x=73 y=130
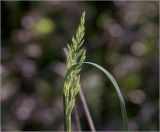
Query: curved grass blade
x=122 y=103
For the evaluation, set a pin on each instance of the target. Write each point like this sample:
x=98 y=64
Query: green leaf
x=122 y=103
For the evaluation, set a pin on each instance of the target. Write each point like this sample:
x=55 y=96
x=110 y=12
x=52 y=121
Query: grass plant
x=76 y=55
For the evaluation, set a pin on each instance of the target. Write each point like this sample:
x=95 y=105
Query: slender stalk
x=64 y=111
x=67 y=118
x=69 y=129
x=85 y=106
x=68 y=123
x=77 y=118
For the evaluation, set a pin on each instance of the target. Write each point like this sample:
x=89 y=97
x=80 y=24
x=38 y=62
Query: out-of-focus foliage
x=120 y=36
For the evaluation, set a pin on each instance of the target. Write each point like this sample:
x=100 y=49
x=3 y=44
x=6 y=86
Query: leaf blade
x=122 y=103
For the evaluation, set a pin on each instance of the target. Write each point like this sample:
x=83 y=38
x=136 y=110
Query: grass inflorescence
x=76 y=55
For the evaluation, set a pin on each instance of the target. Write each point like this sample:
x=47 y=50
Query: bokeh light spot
x=43 y=26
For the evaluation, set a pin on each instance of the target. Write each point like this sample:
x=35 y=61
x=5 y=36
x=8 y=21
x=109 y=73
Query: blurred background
x=120 y=36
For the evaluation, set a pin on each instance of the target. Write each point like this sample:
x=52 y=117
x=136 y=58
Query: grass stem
x=86 y=109
x=64 y=111
x=77 y=118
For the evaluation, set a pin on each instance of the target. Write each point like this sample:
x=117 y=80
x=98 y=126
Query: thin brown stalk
x=77 y=118
x=86 y=109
